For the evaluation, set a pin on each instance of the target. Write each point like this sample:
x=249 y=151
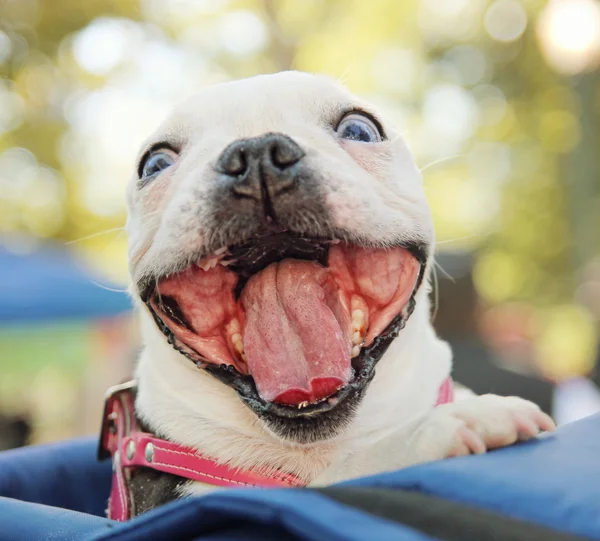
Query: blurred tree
x=40 y=79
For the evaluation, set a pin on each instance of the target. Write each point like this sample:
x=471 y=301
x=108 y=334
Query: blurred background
x=499 y=100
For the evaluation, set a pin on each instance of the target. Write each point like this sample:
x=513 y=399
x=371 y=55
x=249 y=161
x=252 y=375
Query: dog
x=280 y=249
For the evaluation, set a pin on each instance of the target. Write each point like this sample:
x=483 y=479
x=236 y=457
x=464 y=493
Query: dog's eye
x=155 y=162
x=357 y=127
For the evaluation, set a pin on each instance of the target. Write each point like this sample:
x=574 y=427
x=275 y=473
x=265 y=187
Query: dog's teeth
x=237 y=342
x=357 y=305
x=358 y=314
x=303 y=404
x=207 y=264
x=359 y=321
x=355 y=351
x=358 y=326
x=212 y=261
x=234 y=332
x=234 y=327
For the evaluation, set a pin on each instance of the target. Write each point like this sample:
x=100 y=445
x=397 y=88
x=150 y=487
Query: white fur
x=373 y=191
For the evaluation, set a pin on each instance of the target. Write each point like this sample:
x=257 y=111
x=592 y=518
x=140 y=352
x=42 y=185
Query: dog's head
x=278 y=235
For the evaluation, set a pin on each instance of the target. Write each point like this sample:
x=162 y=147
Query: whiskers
x=97 y=234
x=443 y=160
x=120 y=229
x=435 y=277
x=456 y=239
x=116 y=233
x=436 y=287
x=342 y=78
x=106 y=288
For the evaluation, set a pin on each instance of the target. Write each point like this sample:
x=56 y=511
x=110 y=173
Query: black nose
x=261 y=167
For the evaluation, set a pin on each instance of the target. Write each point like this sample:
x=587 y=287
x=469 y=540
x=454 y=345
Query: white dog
x=280 y=252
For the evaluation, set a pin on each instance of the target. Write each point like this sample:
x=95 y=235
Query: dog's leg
x=470 y=426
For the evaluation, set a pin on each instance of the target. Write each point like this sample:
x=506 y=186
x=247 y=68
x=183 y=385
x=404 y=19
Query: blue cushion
x=554 y=481
x=26 y=521
x=63 y=474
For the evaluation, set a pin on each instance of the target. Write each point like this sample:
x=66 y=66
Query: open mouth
x=293 y=324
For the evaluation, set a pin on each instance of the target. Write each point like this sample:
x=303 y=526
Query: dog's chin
x=295 y=325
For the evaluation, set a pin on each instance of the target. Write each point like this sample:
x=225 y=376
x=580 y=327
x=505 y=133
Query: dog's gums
x=295 y=321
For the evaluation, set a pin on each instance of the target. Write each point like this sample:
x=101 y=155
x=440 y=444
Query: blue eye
x=357 y=127
x=157 y=161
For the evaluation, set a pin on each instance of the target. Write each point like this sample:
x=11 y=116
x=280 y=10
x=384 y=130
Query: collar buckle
x=118 y=406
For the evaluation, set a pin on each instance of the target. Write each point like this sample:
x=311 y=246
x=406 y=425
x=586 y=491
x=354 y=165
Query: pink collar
x=130 y=448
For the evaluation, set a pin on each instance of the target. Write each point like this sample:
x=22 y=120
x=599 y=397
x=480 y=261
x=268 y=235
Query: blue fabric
x=284 y=514
x=50 y=284
x=554 y=481
x=24 y=521
x=63 y=474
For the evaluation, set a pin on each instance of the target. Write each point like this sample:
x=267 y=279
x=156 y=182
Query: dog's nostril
x=284 y=153
x=233 y=162
x=238 y=163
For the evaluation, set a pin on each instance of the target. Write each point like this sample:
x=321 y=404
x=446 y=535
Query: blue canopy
x=50 y=284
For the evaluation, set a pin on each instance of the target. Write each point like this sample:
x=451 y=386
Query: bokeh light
x=505 y=20
x=567 y=344
x=569 y=32
x=243 y=33
x=102 y=45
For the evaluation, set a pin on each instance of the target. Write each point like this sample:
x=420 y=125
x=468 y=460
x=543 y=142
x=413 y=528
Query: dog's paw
x=478 y=424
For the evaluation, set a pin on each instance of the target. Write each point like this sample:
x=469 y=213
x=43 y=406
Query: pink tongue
x=295 y=347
